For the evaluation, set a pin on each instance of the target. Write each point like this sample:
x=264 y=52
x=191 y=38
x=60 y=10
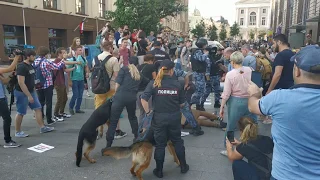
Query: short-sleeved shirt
x=146 y=70
x=111 y=66
x=142 y=47
x=126 y=82
x=59 y=74
x=263 y=143
x=125 y=53
x=26 y=70
x=295 y=131
x=283 y=59
x=250 y=60
x=77 y=74
x=167 y=98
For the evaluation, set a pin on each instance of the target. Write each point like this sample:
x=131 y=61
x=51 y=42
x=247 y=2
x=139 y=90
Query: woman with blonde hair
x=127 y=84
x=255 y=148
x=235 y=94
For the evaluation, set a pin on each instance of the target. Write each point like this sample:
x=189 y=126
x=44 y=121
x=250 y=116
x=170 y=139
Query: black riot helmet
x=201 y=43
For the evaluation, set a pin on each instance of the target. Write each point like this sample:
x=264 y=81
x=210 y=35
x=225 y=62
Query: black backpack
x=100 y=80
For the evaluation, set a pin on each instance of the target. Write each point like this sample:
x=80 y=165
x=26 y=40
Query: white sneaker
x=183 y=134
x=224 y=153
x=58 y=118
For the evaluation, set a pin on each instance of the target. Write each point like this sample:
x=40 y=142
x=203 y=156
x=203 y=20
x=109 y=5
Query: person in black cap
x=158 y=54
x=168 y=98
x=127 y=84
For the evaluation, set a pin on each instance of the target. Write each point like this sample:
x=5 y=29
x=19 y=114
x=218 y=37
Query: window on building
x=80 y=7
x=50 y=4
x=241 y=21
x=55 y=39
x=264 y=11
x=102 y=8
x=13 y=38
x=242 y=11
x=263 y=21
x=253 y=18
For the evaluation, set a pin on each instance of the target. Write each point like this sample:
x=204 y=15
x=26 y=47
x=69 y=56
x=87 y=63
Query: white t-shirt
x=129 y=43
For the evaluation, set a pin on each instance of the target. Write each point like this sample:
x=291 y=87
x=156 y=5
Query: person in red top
x=124 y=52
x=134 y=36
x=60 y=85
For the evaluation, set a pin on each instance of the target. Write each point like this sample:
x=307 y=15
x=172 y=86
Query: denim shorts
x=22 y=102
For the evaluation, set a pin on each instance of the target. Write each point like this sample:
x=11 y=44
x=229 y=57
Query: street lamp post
x=24 y=27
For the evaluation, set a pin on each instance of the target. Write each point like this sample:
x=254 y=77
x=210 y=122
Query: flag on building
x=81 y=26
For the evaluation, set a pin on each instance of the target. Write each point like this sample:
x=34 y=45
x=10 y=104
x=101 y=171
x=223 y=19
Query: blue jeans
x=187 y=113
x=22 y=102
x=178 y=64
x=77 y=93
x=237 y=108
x=244 y=171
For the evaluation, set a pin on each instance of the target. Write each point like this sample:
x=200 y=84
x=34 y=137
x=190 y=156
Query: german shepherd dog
x=141 y=155
x=88 y=131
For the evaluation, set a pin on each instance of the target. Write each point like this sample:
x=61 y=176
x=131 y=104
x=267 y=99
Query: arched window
x=253 y=19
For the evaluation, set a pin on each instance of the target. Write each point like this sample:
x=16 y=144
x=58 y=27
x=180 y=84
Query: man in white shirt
x=126 y=35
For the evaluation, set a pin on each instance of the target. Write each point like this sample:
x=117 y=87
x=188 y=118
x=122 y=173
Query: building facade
x=253 y=16
x=50 y=23
x=298 y=19
x=179 y=23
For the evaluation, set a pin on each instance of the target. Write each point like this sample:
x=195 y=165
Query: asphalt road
x=59 y=163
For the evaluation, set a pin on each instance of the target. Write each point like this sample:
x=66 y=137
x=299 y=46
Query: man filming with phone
x=4 y=109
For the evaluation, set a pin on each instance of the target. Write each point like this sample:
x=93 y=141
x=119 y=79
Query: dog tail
x=121 y=152
x=79 y=149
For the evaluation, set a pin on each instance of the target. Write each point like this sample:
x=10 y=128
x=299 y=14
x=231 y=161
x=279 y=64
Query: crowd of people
x=165 y=77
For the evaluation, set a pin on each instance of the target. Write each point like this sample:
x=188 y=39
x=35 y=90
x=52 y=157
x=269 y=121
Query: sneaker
x=71 y=111
x=80 y=111
x=88 y=94
x=46 y=129
x=223 y=124
x=58 y=118
x=120 y=134
x=21 y=134
x=11 y=144
x=53 y=121
x=65 y=115
x=183 y=134
x=224 y=153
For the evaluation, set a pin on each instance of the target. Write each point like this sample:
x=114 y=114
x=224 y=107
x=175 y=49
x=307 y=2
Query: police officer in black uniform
x=168 y=98
x=158 y=54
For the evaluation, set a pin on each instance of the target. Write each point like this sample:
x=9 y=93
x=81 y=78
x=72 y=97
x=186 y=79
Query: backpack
x=144 y=127
x=266 y=171
x=100 y=80
x=264 y=67
x=39 y=79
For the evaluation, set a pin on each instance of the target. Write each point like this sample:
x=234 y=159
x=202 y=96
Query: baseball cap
x=307 y=59
x=167 y=64
x=156 y=43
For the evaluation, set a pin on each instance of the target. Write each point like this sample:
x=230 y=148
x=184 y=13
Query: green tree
x=212 y=31
x=144 y=14
x=223 y=32
x=234 y=30
x=262 y=34
x=251 y=34
x=200 y=30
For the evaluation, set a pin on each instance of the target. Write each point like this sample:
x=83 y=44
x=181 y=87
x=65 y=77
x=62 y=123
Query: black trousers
x=121 y=100
x=45 y=98
x=5 y=114
x=167 y=126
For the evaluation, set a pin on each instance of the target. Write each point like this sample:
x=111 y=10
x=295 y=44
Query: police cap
x=167 y=64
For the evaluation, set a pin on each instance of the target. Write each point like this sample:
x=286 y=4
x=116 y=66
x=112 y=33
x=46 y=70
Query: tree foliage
x=212 y=31
x=251 y=34
x=200 y=30
x=235 y=30
x=223 y=32
x=262 y=34
x=144 y=14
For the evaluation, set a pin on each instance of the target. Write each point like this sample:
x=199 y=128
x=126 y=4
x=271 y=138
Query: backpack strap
x=96 y=61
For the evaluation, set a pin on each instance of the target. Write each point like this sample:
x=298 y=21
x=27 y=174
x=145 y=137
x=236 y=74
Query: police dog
x=89 y=133
x=141 y=155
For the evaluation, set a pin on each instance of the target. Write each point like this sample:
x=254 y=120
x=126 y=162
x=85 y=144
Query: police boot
x=197 y=131
x=158 y=170
x=183 y=164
